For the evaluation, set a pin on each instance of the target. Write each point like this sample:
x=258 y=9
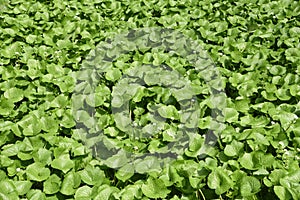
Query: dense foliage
x=255 y=46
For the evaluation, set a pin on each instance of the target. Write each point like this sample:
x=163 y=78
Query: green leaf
x=82 y=116
x=37 y=172
x=277 y=70
x=14 y=94
x=247 y=161
x=64 y=44
x=155 y=188
x=125 y=172
x=65 y=83
x=268 y=95
x=8 y=190
x=22 y=187
x=151 y=78
x=283 y=94
x=230 y=114
x=49 y=124
x=292 y=54
x=79 y=151
x=105 y=192
x=147 y=165
x=219 y=180
x=256 y=50
x=10 y=149
x=30 y=124
x=33 y=68
x=249 y=186
x=282 y=193
x=63 y=163
x=168 y=112
x=196 y=146
x=117 y=160
x=183 y=93
x=233 y=149
x=70 y=183
x=113 y=74
x=67 y=119
x=43 y=156
x=256 y=160
x=138 y=96
x=95 y=99
x=31 y=39
x=123 y=121
x=112 y=131
x=131 y=191
x=117 y=101
x=92 y=175
x=295 y=90
x=6 y=106
x=59 y=102
x=36 y=195
x=52 y=184
x=83 y=193
x=286 y=119
x=11 y=50
x=169 y=134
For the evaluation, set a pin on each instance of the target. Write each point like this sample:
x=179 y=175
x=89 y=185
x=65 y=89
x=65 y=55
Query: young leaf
x=125 y=172
x=168 y=112
x=43 y=156
x=37 y=172
x=113 y=74
x=230 y=114
x=83 y=193
x=8 y=190
x=282 y=193
x=52 y=184
x=14 y=94
x=6 y=106
x=63 y=163
x=249 y=186
x=36 y=195
x=22 y=186
x=155 y=188
x=219 y=180
x=106 y=192
x=92 y=175
x=147 y=165
x=70 y=183
x=233 y=149
x=118 y=160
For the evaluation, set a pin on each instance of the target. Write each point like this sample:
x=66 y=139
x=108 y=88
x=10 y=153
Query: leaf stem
x=202 y=195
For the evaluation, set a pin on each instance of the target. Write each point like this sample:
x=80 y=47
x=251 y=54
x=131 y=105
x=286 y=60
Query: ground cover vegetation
x=254 y=45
